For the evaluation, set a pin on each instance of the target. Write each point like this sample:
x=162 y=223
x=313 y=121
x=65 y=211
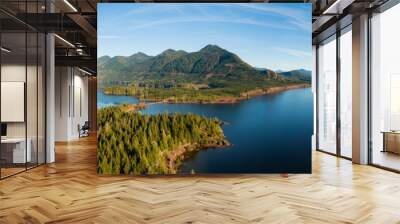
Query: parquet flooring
x=70 y=191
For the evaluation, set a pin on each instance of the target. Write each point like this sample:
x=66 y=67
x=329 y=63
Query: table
x=13 y=150
x=391 y=141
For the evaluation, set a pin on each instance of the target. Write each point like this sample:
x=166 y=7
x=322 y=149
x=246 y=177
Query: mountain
x=118 y=62
x=261 y=69
x=138 y=58
x=211 y=65
x=210 y=59
x=299 y=74
x=103 y=59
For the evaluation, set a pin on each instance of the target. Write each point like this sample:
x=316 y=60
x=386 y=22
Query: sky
x=276 y=36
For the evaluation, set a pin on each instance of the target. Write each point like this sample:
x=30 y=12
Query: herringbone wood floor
x=70 y=191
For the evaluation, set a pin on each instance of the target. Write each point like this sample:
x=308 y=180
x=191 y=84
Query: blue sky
x=265 y=35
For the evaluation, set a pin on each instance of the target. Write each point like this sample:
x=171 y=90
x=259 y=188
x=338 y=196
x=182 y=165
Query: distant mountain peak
x=303 y=69
x=139 y=54
x=103 y=59
x=300 y=74
x=211 y=48
x=169 y=51
x=211 y=64
x=292 y=70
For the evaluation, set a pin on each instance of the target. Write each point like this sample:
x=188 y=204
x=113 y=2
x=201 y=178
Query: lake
x=109 y=100
x=270 y=133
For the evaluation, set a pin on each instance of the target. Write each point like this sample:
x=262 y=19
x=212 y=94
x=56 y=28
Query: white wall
x=12 y=73
x=79 y=115
x=71 y=93
x=62 y=82
x=33 y=126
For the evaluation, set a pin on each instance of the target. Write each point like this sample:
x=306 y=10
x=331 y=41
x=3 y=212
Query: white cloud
x=145 y=24
x=297 y=17
x=306 y=25
x=294 y=52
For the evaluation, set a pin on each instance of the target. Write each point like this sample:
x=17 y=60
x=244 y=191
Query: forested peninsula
x=201 y=96
x=132 y=143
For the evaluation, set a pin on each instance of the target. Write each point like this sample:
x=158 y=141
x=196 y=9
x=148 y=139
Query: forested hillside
x=211 y=75
x=177 y=66
x=300 y=74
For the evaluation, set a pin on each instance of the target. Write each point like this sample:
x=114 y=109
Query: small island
x=132 y=143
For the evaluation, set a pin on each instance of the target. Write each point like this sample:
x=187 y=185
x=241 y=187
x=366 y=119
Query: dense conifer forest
x=132 y=143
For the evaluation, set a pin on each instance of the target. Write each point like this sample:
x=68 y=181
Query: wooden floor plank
x=70 y=191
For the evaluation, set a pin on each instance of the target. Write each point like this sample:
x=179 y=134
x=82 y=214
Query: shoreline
x=228 y=100
x=174 y=140
x=176 y=157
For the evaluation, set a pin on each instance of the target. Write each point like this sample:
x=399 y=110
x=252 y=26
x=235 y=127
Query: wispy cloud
x=305 y=25
x=269 y=35
x=296 y=16
x=294 y=52
x=108 y=36
x=147 y=24
x=143 y=9
x=148 y=8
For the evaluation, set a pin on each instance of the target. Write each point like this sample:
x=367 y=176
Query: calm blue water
x=270 y=134
x=107 y=100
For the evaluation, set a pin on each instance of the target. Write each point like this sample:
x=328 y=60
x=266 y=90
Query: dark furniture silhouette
x=84 y=129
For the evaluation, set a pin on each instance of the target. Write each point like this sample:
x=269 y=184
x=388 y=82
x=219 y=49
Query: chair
x=84 y=130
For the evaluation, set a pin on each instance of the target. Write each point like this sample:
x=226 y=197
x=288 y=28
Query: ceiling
x=75 y=22
x=332 y=15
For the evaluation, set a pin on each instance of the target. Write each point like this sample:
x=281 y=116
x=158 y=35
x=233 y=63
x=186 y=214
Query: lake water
x=107 y=100
x=270 y=134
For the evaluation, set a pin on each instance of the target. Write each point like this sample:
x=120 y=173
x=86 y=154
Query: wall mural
x=204 y=88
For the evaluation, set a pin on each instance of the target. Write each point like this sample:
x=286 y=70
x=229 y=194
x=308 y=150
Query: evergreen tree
x=129 y=142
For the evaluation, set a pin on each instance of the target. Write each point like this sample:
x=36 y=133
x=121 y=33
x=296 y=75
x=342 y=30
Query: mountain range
x=212 y=65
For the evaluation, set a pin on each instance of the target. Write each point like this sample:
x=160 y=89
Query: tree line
x=133 y=143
